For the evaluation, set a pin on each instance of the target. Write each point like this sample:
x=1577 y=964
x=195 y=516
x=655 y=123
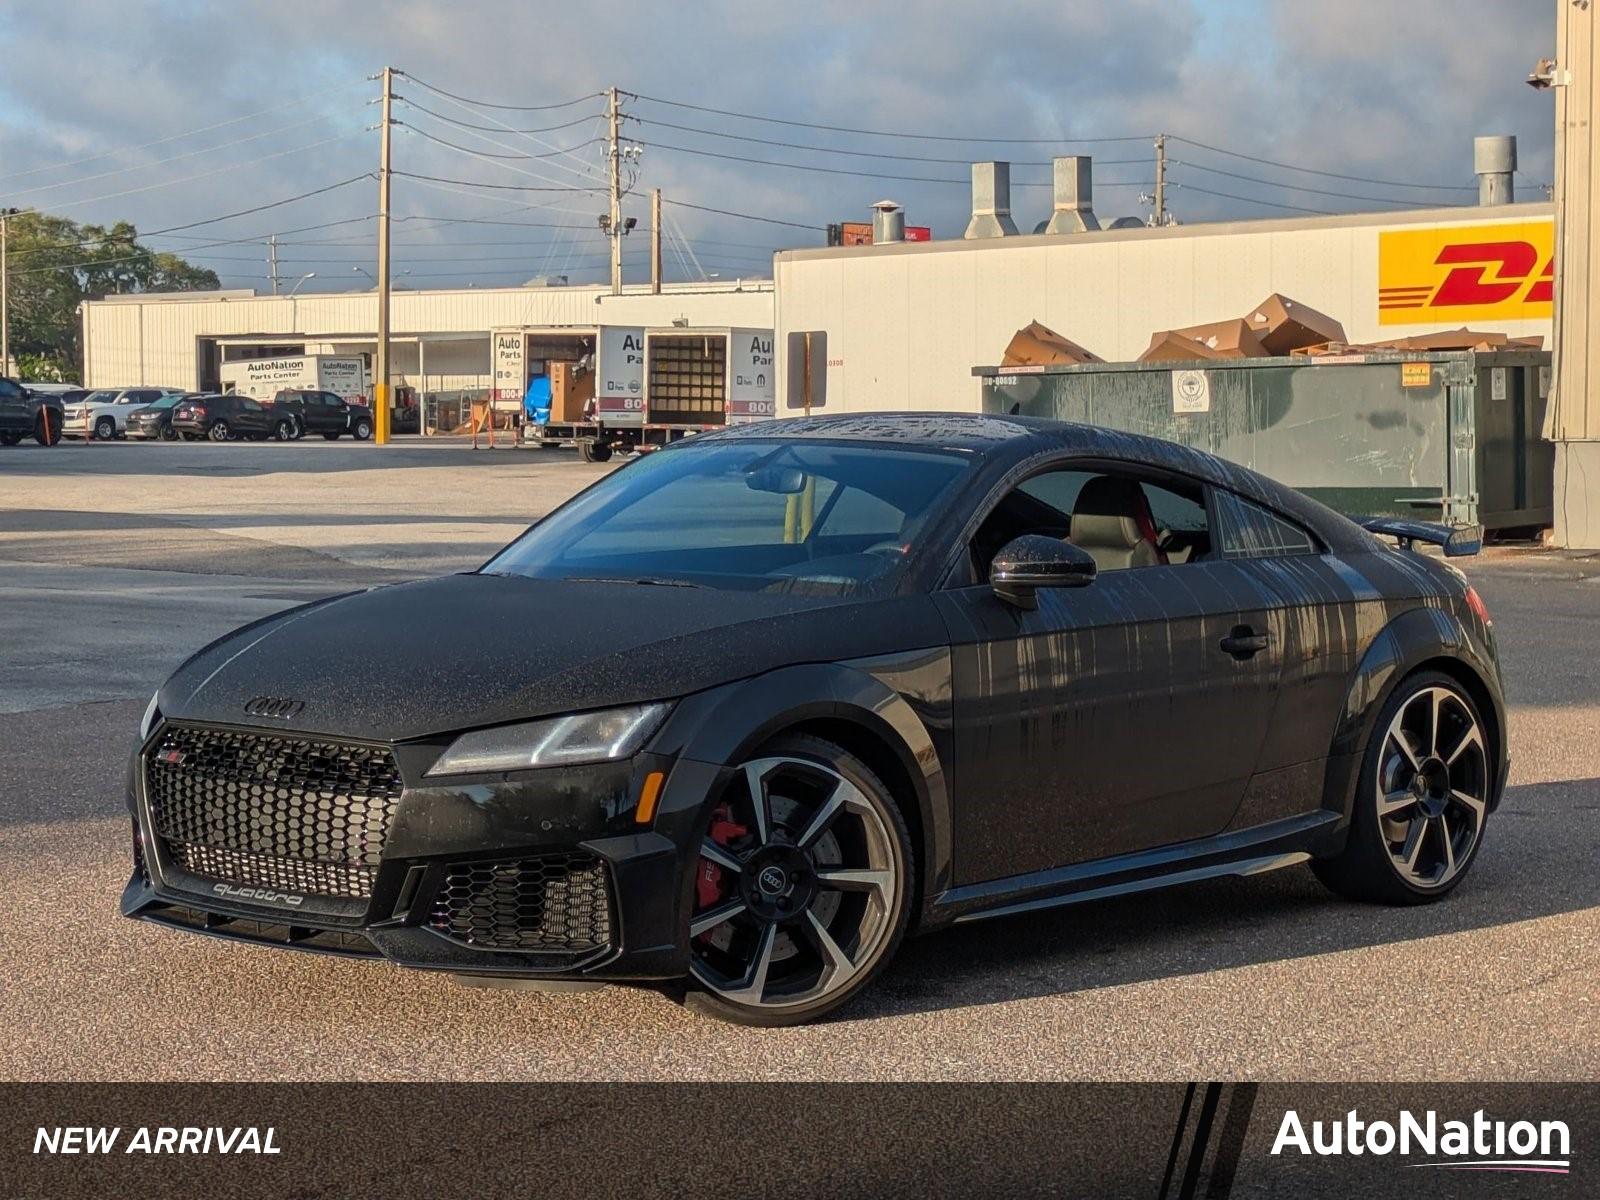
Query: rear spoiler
x=1457 y=542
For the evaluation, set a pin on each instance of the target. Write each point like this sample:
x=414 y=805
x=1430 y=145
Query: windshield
x=103 y=396
x=814 y=517
x=165 y=401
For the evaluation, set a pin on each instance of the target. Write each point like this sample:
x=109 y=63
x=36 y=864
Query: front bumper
x=472 y=829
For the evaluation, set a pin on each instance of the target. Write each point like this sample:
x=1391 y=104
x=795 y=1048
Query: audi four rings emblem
x=273 y=706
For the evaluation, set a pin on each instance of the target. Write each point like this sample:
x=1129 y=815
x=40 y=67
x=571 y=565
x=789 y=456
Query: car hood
x=435 y=656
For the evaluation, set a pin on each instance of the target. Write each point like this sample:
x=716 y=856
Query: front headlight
x=151 y=715
x=554 y=742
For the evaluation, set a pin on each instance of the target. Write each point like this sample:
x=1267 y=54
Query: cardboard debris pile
x=1034 y=345
x=1276 y=327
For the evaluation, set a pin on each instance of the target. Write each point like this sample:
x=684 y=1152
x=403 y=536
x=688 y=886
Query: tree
x=55 y=264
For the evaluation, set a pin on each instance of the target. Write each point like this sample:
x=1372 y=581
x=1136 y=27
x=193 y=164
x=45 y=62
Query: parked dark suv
x=28 y=414
x=154 y=420
x=324 y=413
x=227 y=418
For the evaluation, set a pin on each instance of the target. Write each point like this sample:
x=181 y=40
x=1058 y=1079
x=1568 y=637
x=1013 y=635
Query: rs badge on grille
x=273 y=706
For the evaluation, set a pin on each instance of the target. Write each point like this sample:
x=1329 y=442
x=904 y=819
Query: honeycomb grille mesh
x=281 y=811
x=285 y=874
x=557 y=902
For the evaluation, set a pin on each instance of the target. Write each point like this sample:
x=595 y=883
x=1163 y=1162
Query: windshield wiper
x=646 y=581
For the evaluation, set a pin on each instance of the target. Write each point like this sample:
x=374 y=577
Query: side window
x=1246 y=530
x=9 y=390
x=250 y=406
x=1122 y=519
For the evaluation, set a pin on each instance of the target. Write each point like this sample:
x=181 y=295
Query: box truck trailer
x=651 y=387
x=263 y=378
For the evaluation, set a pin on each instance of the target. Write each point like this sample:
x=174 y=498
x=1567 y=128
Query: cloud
x=1364 y=88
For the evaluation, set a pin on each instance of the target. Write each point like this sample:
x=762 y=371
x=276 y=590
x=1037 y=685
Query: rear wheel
x=219 y=431
x=593 y=451
x=802 y=889
x=1422 y=800
x=47 y=427
x=10 y=439
x=284 y=431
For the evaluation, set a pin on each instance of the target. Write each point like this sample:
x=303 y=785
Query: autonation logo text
x=1479 y=1144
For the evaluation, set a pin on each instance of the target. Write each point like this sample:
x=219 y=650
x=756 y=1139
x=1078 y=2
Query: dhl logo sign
x=1466 y=273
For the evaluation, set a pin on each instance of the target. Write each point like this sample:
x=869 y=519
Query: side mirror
x=1033 y=561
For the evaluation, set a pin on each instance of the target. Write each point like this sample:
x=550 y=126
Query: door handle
x=1243 y=642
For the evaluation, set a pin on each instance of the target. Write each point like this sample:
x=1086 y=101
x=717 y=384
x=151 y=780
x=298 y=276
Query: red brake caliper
x=710 y=886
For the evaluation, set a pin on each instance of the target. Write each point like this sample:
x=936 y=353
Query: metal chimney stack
x=991 y=201
x=1074 y=189
x=1495 y=161
x=888 y=223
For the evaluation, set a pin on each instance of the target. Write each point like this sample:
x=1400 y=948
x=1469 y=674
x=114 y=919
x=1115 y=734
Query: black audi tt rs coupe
x=738 y=716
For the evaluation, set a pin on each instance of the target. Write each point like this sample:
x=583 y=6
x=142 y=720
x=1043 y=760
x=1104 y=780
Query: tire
x=593 y=451
x=361 y=429
x=1422 y=799
x=283 y=431
x=219 y=432
x=168 y=434
x=48 y=431
x=10 y=439
x=773 y=941
x=105 y=429
x=191 y=437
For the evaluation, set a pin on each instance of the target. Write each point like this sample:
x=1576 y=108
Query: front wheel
x=48 y=428
x=10 y=439
x=1422 y=799
x=802 y=886
x=168 y=434
x=220 y=432
x=105 y=429
x=362 y=429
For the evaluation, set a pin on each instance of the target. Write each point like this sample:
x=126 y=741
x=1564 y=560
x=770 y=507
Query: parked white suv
x=103 y=413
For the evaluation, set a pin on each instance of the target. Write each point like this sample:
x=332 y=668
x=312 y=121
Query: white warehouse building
x=440 y=340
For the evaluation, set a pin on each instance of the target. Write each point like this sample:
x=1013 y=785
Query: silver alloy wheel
x=812 y=888
x=1432 y=785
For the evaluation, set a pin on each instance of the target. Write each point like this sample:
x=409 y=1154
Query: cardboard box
x=1171 y=346
x=1283 y=325
x=1037 y=345
x=1230 y=339
x=571 y=390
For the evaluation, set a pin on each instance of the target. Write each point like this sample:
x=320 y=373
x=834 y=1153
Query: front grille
x=559 y=902
x=284 y=874
x=273 y=810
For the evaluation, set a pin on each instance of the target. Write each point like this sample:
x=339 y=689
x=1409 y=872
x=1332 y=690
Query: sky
x=171 y=113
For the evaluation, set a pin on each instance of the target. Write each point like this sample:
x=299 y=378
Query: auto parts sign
x=1466 y=273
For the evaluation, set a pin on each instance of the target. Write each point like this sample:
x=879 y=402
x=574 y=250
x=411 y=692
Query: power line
x=922 y=137
x=1295 y=187
x=438 y=91
x=503 y=187
x=456 y=121
x=1268 y=162
x=1045 y=162
x=1190 y=187
x=77 y=162
x=416 y=129
x=723 y=212
x=767 y=162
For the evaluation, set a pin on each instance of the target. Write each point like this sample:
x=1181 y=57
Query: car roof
x=1005 y=441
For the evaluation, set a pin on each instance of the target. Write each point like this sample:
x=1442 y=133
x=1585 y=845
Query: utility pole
x=614 y=119
x=380 y=383
x=655 y=241
x=5 y=290
x=1159 y=216
x=272 y=261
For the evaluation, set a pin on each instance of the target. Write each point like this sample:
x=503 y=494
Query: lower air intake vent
x=555 y=902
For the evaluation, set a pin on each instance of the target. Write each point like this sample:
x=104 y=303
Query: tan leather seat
x=1110 y=520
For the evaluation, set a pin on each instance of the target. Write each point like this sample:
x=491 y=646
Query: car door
x=335 y=413
x=254 y=419
x=16 y=415
x=1113 y=718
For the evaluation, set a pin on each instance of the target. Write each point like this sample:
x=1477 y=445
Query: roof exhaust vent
x=991 y=201
x=1074 y=189
x=888 y=223
x=1494 y=160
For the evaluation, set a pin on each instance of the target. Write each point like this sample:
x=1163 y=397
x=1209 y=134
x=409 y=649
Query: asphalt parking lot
x=118 y=560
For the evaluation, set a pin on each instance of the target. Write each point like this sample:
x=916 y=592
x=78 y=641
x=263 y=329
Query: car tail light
x=1476 y=604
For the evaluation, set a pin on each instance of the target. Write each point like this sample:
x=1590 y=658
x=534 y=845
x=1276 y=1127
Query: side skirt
x=1244 y=852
